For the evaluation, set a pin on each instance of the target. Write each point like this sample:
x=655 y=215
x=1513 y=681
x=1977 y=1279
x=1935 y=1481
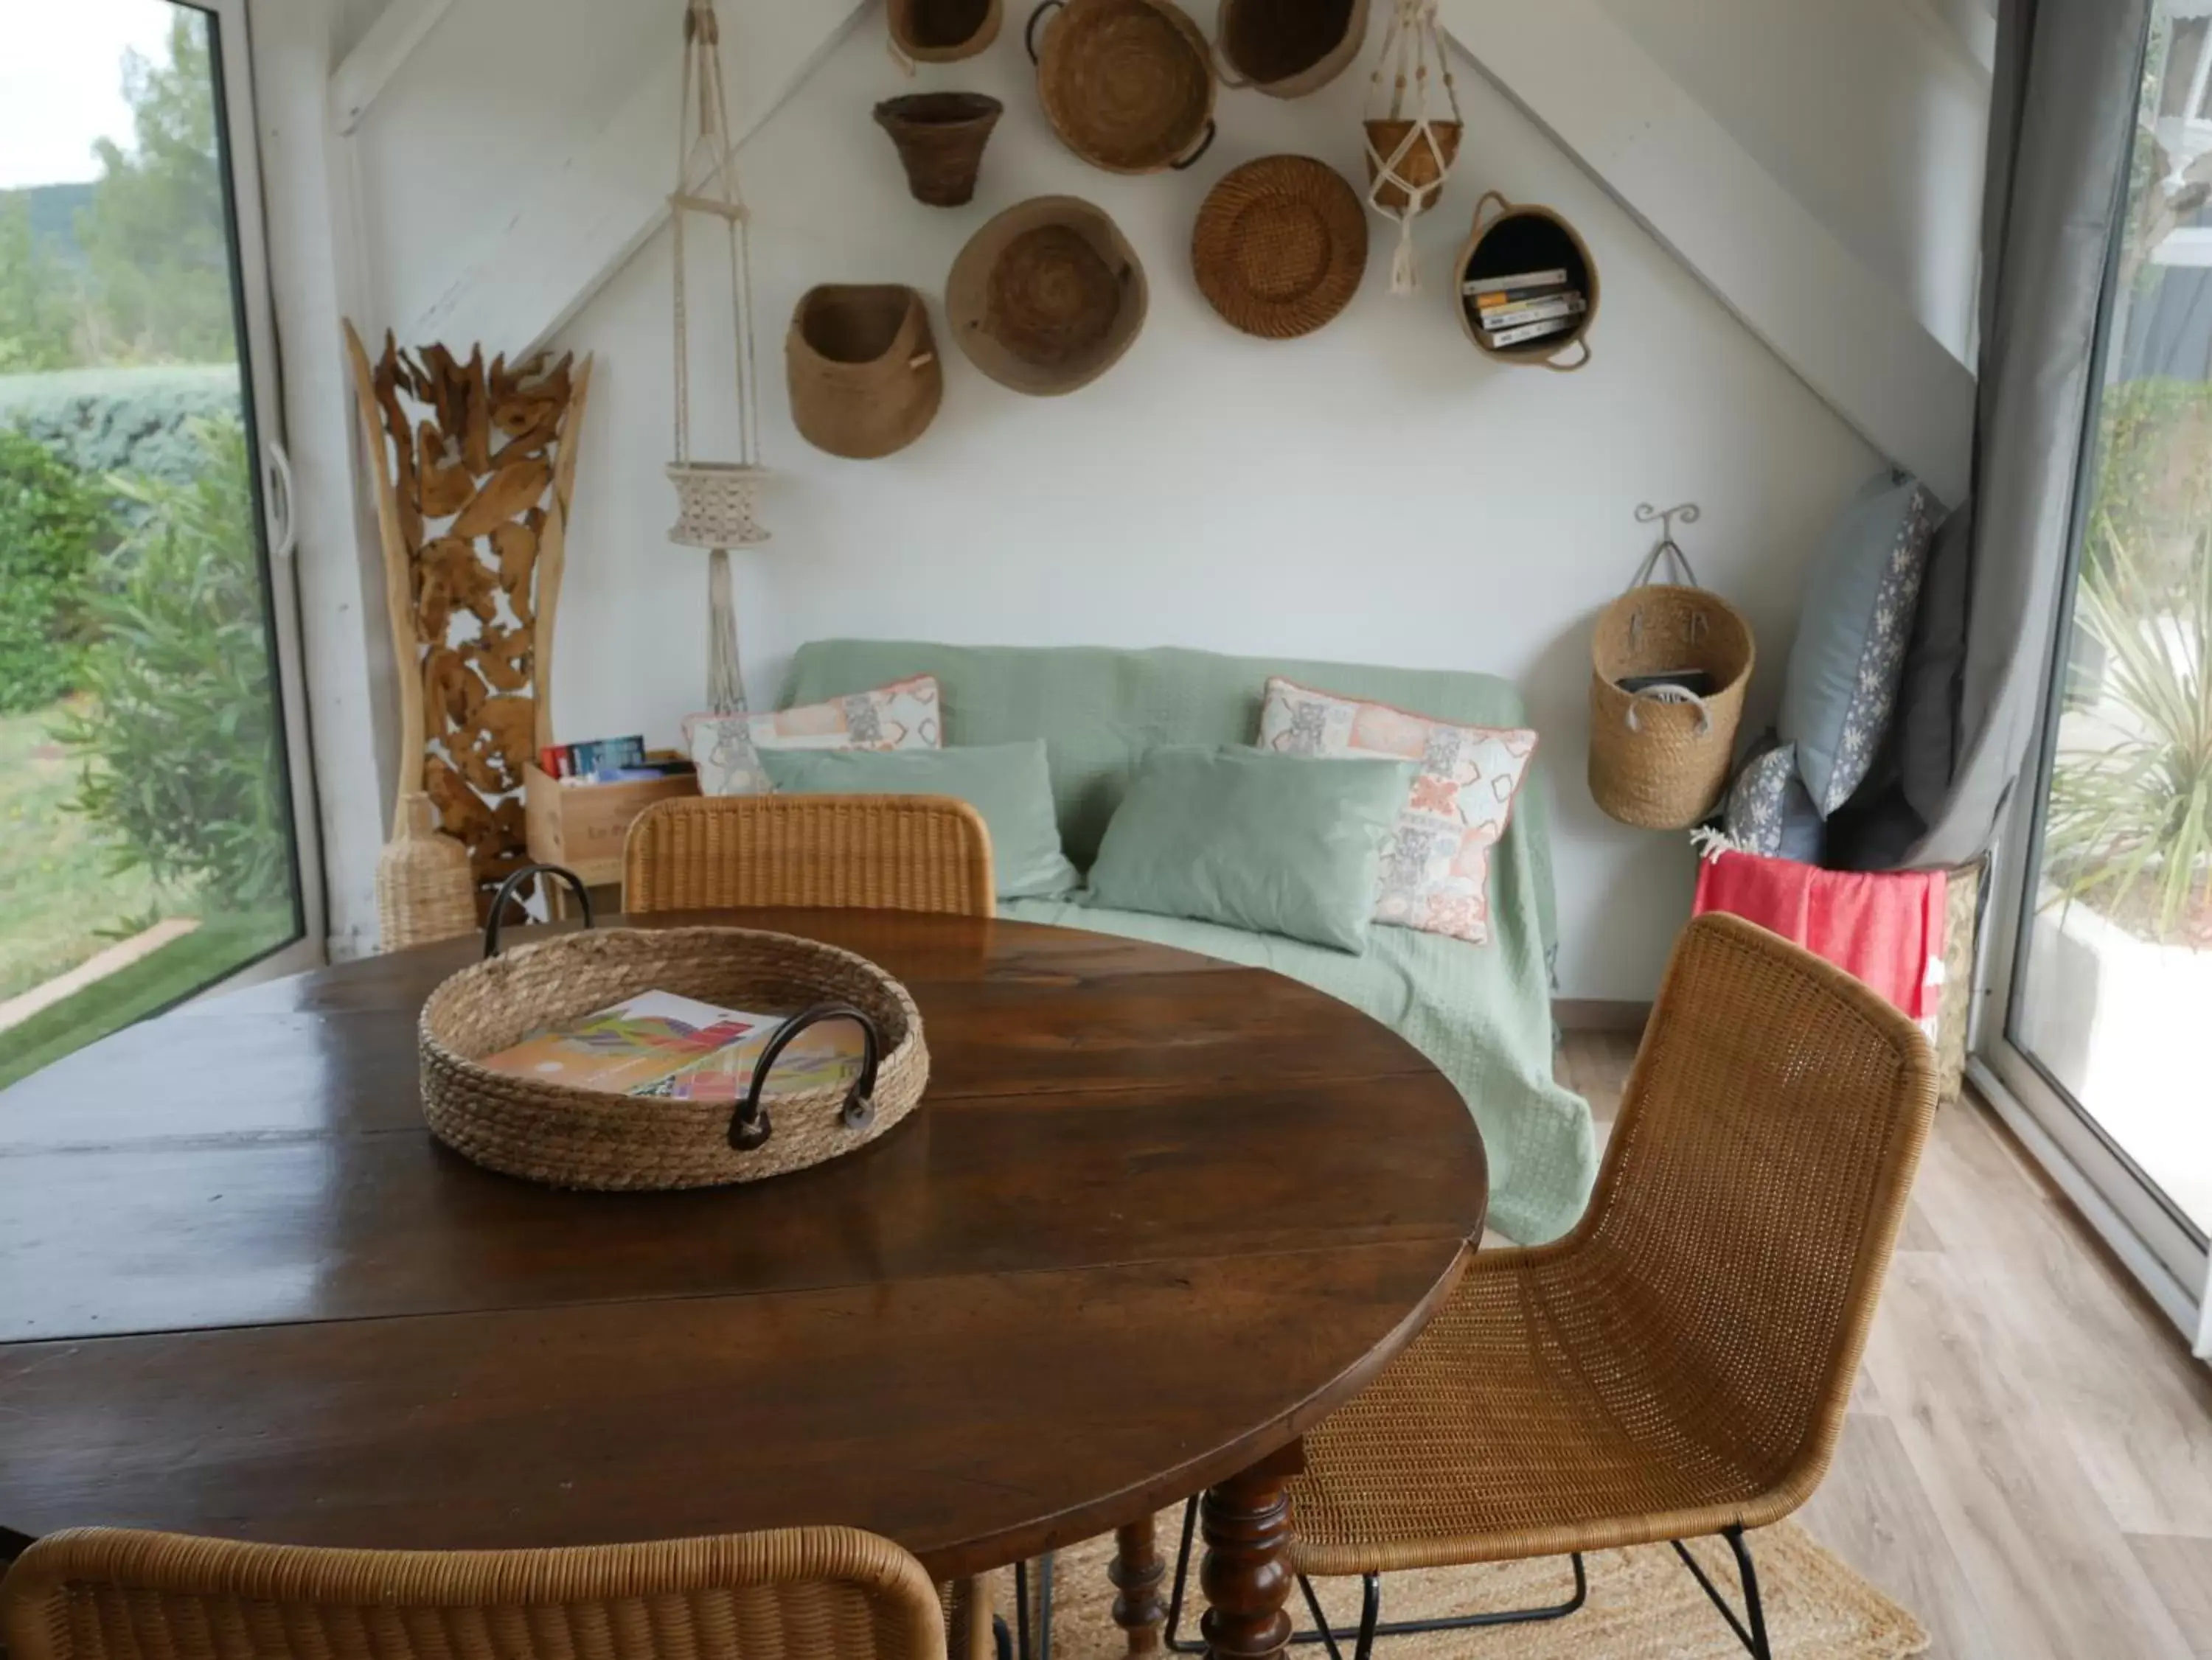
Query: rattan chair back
x=820 y=1593
x=1754 y=1187
x=881 y=852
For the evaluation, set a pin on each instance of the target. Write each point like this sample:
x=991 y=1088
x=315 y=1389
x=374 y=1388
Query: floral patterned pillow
x=1770 y=811
x=903 y=715
x=1436 y=867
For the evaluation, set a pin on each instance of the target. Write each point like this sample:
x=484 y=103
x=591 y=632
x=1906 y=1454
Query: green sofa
x=1481 y=1013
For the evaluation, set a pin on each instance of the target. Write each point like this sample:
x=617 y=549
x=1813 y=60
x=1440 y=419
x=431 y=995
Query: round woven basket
x=940 y=137
x=1047 y=296
x=861 y=368
x=582 y=1138
x=1656 y=763
x=1288 y=48
x=1527 y=238
x=1280 y=245
x=1127 y=84
x=1422 y=166
x=942 y=31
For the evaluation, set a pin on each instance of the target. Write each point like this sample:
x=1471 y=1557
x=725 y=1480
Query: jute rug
x=1642 y=1606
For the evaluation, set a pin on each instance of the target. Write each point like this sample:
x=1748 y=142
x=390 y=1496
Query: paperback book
x=659 y=1043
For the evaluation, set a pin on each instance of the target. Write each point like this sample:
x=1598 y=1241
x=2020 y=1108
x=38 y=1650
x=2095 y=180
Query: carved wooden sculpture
x=476 y=469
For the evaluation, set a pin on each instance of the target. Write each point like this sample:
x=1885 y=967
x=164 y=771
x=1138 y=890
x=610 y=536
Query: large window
x=148 y=742
x=2107 y=1034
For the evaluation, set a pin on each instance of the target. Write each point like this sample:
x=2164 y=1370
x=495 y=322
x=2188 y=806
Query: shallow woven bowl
x=581 y=1138
x=942 y=31
x=1280 y=245
x=1047 y=296
x=1127 y=84
x=1288 y=48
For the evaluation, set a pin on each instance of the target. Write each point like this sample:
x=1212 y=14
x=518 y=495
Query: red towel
x=1885 y=928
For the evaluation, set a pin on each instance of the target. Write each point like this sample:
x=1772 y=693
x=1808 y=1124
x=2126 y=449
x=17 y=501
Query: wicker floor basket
x=1656 y=763
x=581 y=1138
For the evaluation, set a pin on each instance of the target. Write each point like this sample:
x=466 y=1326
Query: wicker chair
x=885 y=852
x=794 y=1594
x=1680 y=1364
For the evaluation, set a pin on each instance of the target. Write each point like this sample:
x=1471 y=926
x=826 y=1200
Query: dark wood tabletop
x=1157 y=1214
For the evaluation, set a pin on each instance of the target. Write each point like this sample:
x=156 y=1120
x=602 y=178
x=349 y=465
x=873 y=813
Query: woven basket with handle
x=581 y=1138
x=1660 y=761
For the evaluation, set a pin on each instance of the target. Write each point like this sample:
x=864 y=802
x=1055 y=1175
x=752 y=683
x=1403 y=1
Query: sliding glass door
x=2106 y=1034
x=153 y=784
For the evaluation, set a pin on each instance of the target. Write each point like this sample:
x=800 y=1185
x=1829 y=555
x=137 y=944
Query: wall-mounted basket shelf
x=1507 y=238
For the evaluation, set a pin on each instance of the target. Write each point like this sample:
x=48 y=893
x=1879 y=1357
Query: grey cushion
x=1770 y=811
x=1841 y=684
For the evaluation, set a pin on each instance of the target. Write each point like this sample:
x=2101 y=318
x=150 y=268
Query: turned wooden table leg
x=1137 y=1572
x=1246 y=1524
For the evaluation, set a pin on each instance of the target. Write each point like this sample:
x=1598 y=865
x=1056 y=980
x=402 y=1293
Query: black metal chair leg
x=1329 y=1635
x=1753 y=1635
x=1044 y=1644
x=1002 y=1640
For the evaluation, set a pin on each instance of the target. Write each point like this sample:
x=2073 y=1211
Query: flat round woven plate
x=1280 y=245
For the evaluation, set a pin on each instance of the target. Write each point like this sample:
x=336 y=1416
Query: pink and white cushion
x=1436 y=870
x=903 y=715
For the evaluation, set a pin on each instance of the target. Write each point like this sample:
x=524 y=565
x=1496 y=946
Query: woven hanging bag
x=1659 y=760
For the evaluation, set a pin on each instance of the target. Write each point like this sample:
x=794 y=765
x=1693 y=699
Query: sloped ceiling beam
x=1847 y=332
x=389 y=41
x=593 y=205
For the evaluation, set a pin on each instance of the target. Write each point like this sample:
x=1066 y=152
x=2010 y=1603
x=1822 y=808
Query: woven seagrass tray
x=581 y=1138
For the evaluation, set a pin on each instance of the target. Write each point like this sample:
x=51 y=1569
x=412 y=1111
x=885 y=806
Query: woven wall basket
x=1280 y=245
x=580 y=1138
x=942 y=31
x=1288 y=48
x=1047 y=296
x=1127 y=84
x=1526 y=238
x=863 y=371
x=1422 y=163
x=940 y=137
x=1655 y=764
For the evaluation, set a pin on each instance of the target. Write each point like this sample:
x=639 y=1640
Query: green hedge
x=122 y=420
x=54 y=523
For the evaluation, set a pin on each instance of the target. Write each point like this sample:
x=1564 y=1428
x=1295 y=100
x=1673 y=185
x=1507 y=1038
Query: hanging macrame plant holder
x=1411 y=145
x=717 y=501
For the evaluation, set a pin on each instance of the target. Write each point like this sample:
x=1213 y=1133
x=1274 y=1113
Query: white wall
x=1872 y=113
x=1374 y=493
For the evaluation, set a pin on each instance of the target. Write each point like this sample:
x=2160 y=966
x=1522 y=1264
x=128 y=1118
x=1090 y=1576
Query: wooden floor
x=2028 y=1462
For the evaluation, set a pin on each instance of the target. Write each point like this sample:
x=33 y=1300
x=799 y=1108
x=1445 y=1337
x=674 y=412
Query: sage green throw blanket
x=1482 y=1013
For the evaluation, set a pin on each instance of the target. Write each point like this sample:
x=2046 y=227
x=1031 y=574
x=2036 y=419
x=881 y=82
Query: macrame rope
x=725 y=683
x=703 y=90
x=1407 y=45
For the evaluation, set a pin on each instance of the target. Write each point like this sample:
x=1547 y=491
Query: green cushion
x=1006 y=782
x=1099 y=708
x=1288 y=844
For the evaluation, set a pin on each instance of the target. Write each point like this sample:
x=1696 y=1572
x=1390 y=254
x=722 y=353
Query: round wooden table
x=1156 y=1215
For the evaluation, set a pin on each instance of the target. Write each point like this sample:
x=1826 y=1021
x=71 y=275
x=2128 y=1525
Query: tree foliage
x=182 y=770
x=36 y=312
x=54 y=523
x=157 y=235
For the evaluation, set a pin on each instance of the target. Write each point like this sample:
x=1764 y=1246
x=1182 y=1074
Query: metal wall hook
x=1665 y=516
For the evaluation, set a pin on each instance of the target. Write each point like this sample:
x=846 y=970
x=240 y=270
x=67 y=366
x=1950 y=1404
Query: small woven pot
x=1280 y=245
x=940 y=137
x=1658 y=764
x=942 y=31
x=1423 y=167
x=1127 y=84
x=581 y=1138
x=717 y=504
x=1047 y=296
x=1527 y=238
x=425 y=890
x=1288 y=48
x=862 y=369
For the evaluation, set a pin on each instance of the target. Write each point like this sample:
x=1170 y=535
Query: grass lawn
x=59 y=901
x=218 y=947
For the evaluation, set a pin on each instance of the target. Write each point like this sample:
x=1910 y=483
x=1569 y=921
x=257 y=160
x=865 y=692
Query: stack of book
x=608 y=761
x=1509 y=310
